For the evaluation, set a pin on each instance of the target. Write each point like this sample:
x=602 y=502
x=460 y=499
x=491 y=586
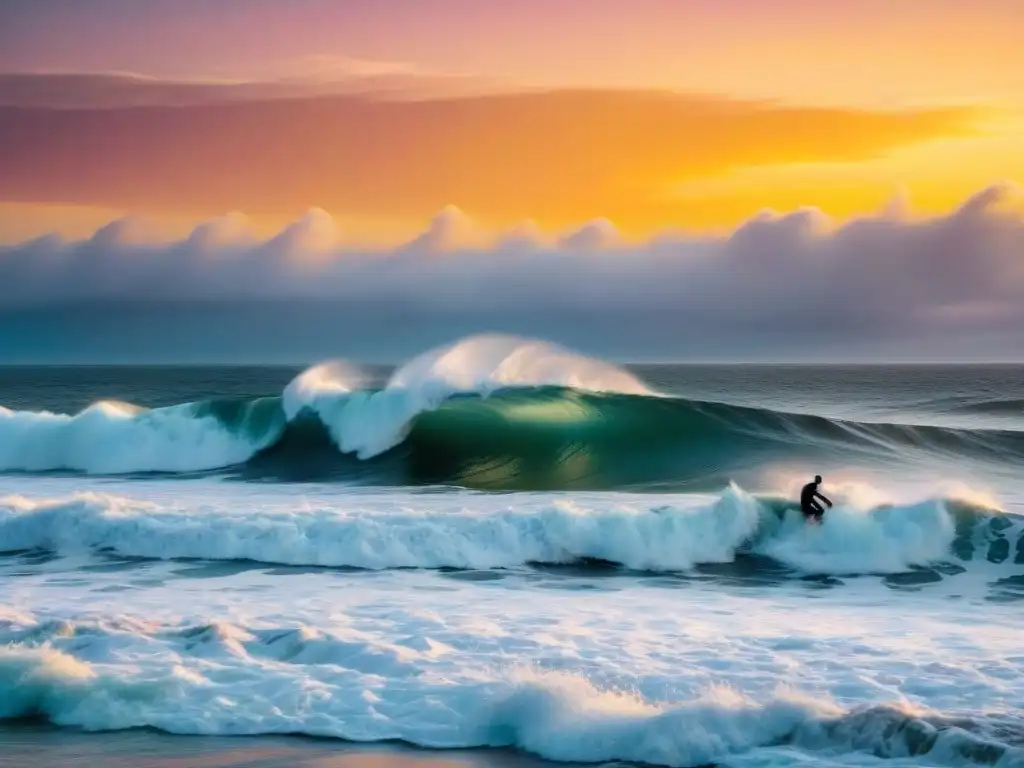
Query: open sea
x=505 y=553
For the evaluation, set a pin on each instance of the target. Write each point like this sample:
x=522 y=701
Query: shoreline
x=40 y=745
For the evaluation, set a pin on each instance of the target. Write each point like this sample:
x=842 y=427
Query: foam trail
x=380 y=535
x=246 y=685
x=379 y=532
x=111 y=438
x=885 y=540
x=557 y=716
x=368 y=424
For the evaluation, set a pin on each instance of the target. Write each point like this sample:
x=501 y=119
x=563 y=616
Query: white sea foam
x=666 y=677
x=384 y=530
x=560 y=717
x=111 y=437
x=644 y=669
x=884 y=540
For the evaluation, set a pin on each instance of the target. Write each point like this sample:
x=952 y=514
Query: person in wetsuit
x=809 y=496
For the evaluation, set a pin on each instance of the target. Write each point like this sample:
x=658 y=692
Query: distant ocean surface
x=504 y=545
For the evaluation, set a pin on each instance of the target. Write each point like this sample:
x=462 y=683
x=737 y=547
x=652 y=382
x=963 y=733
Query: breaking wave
x=120 y=438
x=188 y=679
x=488 y=411
x=370 y=531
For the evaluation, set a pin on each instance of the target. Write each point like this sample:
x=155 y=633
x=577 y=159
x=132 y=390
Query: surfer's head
x=817 y=479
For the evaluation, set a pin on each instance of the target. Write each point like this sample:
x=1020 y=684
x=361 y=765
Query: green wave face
x=540 y=438
x=556 y=438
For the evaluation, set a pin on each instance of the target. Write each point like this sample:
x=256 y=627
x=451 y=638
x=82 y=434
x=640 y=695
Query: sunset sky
x=653 y=114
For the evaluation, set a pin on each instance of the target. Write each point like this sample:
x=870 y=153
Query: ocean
x=505 y=550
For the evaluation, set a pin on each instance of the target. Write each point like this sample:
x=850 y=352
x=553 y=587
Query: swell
x=487 y=411
x=557 y=438
x=516 y=438
x=995 y=406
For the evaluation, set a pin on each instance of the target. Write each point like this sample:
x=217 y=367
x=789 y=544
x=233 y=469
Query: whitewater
x=503 y=544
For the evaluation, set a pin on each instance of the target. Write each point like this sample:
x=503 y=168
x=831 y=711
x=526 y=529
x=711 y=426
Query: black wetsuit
x=809 y=503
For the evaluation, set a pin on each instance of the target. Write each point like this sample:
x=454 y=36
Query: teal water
x=718 y=423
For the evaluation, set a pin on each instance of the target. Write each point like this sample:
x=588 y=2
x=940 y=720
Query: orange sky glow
x=655 y=114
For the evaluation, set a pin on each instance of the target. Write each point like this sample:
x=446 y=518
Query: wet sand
x=40 y=746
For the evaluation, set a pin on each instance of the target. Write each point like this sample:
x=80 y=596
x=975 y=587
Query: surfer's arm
x=824 y=498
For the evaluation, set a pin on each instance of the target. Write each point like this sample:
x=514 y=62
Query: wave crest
x=116 y=438
x=489 y=411
x=370 y=423
x=375 y=532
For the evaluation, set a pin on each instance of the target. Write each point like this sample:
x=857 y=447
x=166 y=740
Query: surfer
x=809 y=501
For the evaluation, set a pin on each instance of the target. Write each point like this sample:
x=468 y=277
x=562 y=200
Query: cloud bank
x=779 y=287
